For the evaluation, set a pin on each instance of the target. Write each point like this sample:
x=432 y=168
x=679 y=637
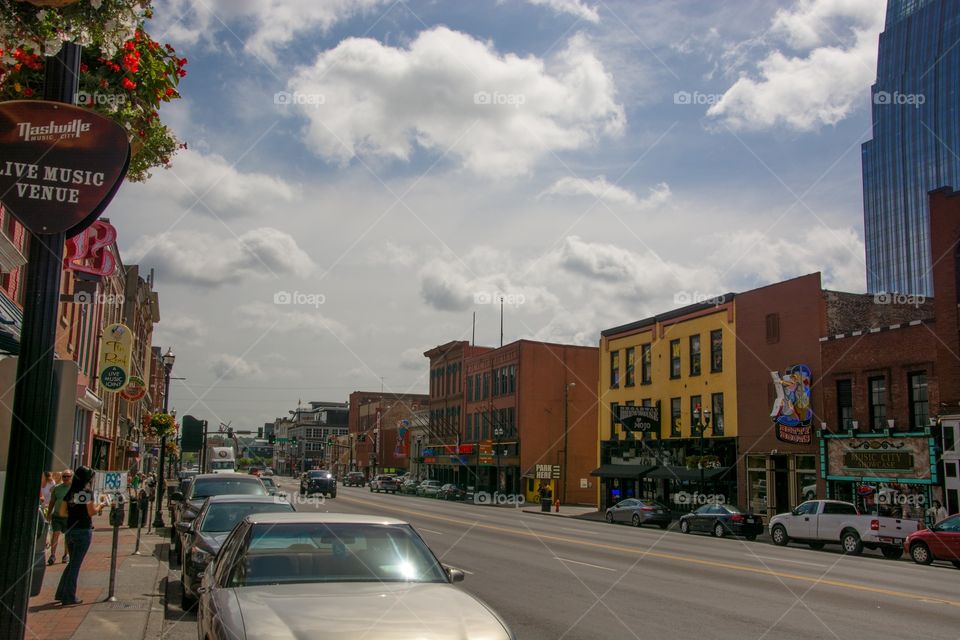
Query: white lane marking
x=592 y=533
x=775 y=559
x=439 y=533
x=586 y=564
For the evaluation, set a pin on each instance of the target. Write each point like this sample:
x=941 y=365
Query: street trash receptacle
x=134 y=514
x=545 y=504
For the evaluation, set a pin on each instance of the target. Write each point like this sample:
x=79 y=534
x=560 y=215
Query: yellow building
x=679 y=361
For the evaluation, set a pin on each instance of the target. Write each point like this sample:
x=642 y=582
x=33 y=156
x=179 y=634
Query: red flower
x=128 y=84
x=129 y=45
x=170 y=91
x=83 y=67
x=182 y=72
x=183 y=61
x=28 y=92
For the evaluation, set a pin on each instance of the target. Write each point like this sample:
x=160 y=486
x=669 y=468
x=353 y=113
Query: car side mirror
x=176 y=496
x=456 y=575
x=185 y=527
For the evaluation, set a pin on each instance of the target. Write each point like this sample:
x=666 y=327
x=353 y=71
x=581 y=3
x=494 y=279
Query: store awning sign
x=60 y=165
x=115 y=353
x=878 y=460
x=639 y=418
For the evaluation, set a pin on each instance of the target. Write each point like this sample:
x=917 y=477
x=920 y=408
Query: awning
x=685 y=474
x=622 y=470
x=11 y=320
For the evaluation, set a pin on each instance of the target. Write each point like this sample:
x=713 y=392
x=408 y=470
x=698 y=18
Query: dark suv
x=318 y=481
x=354 y=479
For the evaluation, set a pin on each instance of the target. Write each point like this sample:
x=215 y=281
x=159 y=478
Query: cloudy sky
x=363 y=175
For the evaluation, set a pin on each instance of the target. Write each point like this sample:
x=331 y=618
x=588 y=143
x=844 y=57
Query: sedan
x=451 y=492
x=410 y=486
x=272 y=487
x=639 y=512
x=720 y=519
x=334 y=575
x=939 y=542
x=385 y=483
x=428 y=488
x=217 y=518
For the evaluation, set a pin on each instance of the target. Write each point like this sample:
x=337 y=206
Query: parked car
x=272 y=487
x=428 y=488
x=354 y=479
x=821 y=522
x=204 y=536
x=211 y=484
x=720 y=519
x=410 y=486
x=385 y=483
x=318 y=481
x=311 y=575
x=267 y=471
x=639 y=512
x=939 y=542
x=451 y=492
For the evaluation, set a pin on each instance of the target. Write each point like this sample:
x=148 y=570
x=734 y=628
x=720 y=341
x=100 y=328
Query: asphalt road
x=552 y=578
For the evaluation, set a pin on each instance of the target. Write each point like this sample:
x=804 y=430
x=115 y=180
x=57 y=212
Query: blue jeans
x=78 y=543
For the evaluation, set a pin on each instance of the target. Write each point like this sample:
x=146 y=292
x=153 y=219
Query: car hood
x=213 y=541
x=349 y=611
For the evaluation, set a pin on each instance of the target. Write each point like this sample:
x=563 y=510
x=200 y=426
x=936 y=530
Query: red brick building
x=379 y=430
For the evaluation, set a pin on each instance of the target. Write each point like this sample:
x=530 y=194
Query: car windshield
x=318 y=474
x=224 y=516
x=290 y=553
x=268 y=483
x=205 y=487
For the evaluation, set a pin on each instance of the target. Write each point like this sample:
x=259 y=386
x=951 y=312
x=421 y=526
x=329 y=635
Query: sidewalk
x=138 y=611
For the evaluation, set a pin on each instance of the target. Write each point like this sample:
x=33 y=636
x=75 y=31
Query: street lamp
x=566 y=429
x=168 y=360
x=497 y=434
x=702 y=418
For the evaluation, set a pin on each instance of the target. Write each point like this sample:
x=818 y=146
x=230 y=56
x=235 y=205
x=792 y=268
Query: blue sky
x=594 y=162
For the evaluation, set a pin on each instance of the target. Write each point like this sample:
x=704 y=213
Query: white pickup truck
x=821 y=522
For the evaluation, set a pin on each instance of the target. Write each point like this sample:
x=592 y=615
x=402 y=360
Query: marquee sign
x=792 y=413
x=60 y=165
x=639 y=418
x=135 y=390
x=115 y=353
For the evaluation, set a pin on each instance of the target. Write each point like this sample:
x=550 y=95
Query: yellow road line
x=852 y=586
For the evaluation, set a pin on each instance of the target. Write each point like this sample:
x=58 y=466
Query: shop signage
x=485 y=455
x=792 y=414
x=547 y=471
x=89 y=251
x=61 y=164
x=639 y=418
x=115 y=353
x=878 y=460
x=135 y=390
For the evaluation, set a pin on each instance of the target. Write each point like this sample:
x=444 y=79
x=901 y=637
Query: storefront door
x=781 y=484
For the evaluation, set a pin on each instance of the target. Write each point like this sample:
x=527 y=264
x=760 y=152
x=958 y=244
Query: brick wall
x=944 y=237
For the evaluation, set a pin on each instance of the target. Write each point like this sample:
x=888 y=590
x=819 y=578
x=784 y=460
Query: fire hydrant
x=556 y=505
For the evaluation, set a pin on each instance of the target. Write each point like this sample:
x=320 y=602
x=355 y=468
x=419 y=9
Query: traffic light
x=260 y=433
x=293 y=440
x=330 y=441
x=272 y=439
x=191 y=435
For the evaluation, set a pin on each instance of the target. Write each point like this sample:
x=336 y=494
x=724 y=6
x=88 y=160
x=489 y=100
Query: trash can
x=545 y=504
x=134 y=514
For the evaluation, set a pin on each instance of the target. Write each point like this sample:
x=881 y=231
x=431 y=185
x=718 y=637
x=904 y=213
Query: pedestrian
x=937 y=512
x=80 y=508
x=58 y=524
x=46 y=486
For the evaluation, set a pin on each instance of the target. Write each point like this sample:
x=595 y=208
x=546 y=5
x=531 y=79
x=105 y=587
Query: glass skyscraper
x=916 y=140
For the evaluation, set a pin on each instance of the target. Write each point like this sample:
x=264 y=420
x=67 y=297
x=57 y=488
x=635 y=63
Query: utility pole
x=566 y=429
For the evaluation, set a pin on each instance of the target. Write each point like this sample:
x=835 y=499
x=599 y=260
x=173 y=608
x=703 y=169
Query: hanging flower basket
x=161 y=424
x=125 y=75
x=50 y=3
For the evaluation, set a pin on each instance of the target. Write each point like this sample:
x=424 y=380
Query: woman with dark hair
x=81 y=507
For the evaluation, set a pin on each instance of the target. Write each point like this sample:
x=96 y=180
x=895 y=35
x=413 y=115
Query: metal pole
x=116 y=516
x=140 y=518
x=701 y=456
x=158 y=518
x=566 y=422
x=34 y=411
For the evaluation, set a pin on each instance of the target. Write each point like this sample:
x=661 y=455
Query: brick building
x=380 y=429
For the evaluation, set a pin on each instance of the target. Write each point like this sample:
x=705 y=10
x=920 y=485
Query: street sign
x=639 y=418
x=115 y=354
x=555 y=472
x=544 y=471
x=110 y=483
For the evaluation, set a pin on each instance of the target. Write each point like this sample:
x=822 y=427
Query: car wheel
x=684 y=526
x=779 y=535
x=892 y=553
x=187 y=602
x=816 y=546
x=850 y=543
x=921 y=553
x=956 y=564
x=664 y=525
x=751 y=537
x=719 y=530
x=636 y=520
x=609 y=517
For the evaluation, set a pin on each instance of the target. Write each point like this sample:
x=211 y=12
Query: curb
x=157 y=613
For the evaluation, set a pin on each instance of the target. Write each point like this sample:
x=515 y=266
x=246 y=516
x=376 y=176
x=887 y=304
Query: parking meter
x=116 y=512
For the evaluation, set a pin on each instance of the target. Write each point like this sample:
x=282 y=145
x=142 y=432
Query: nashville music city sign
x=60 y=165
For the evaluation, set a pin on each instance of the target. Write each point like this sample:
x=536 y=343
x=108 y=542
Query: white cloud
x=290 y=319
x=179 y=328
x=577 y=8
x=498 y=114
x=601 y=189
x=208 y=260
x=230 y=367
x=412 y=359
x=209 y=185
x=836 y=41
x=274 y=22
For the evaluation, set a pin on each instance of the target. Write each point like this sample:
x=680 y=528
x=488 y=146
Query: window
x=878 y=403
x=645 y=362
x=614 y=410
x=675 y=417
x=716 y=403
x=674 y=358
x=614 y=369
x=951 y=469
x=513 y=378
x=470 y=390
x=695 y=355
x=845 y=404
x=919 y=400
x=696 y=422
x=836 y=508
x=716 y=351
x=631 y=364
x=773 y=328
x=486 y=386
x=808 y=509
x=949 y=437
x=646 y=402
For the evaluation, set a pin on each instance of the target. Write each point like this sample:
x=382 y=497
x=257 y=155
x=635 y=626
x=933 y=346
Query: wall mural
x=792 y=414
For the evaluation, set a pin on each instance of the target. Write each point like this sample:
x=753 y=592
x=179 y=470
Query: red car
x=939 y=542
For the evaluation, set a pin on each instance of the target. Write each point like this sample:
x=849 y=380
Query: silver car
x=639 y=512
x=334 y=575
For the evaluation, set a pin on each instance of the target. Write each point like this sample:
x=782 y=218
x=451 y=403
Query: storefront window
x=806 y=478
x=631 y=365
x=716 y=351
x=675 y=417
x=757 y=483
x=878 y=403
x=845 y=403
x=674 y=358
x=717 y=401
x=919 y=403
x=645 y=361
x=614 y=369
x=695 y=355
